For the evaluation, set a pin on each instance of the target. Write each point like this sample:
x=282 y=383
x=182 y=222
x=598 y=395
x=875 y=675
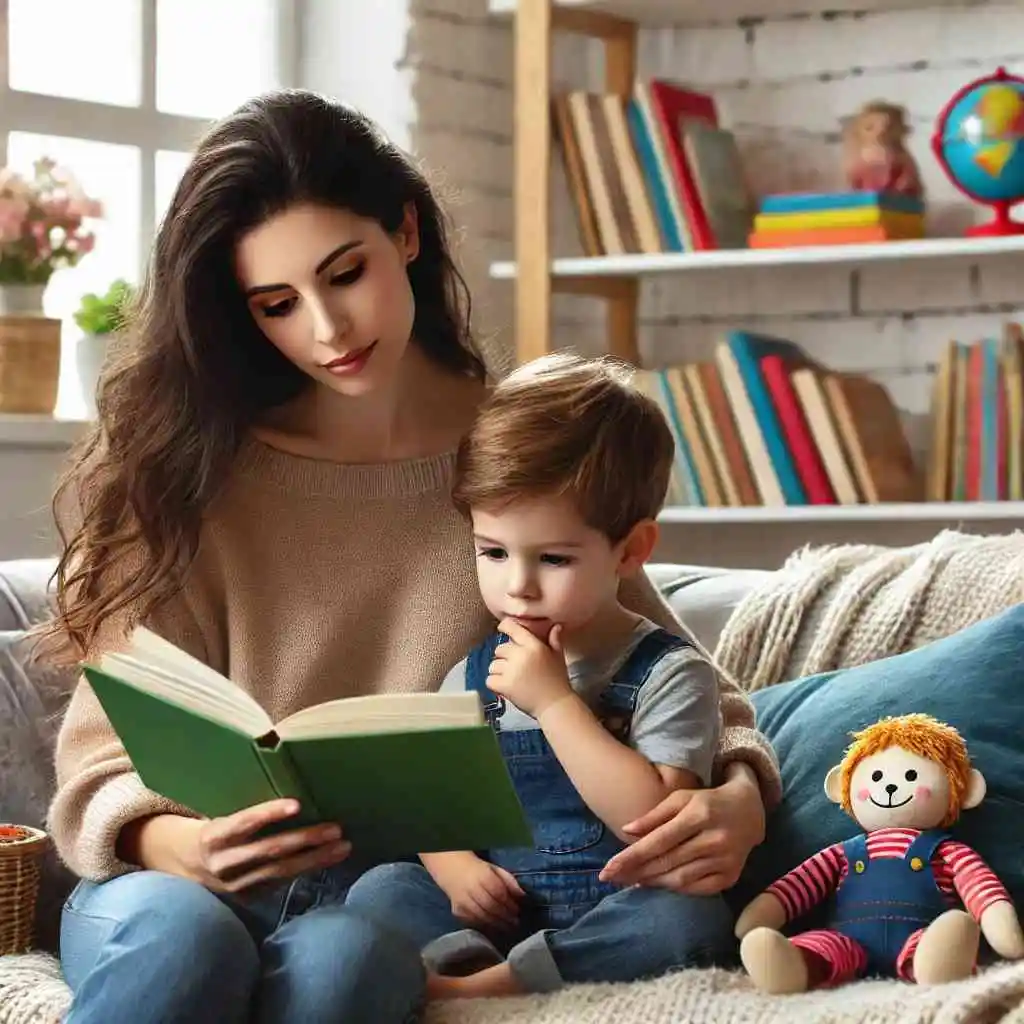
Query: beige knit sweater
x=315 y=581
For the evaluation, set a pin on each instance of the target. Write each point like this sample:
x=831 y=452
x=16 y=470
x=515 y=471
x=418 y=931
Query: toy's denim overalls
x=571 y=844
x=883 y=901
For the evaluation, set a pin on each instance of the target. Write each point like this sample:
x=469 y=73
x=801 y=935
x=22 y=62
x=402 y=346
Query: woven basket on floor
x=21 y=850
x=29 y=364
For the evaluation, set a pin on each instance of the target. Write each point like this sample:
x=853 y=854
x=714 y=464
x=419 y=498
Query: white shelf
x=641 y=264
x=689 y=12
x=31 y=431
x=925 y=511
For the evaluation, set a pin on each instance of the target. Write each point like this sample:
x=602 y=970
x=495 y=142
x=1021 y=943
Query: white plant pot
x=90 y=354
x=22 y=299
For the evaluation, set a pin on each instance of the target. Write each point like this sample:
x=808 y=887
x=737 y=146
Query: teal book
x=402 y=773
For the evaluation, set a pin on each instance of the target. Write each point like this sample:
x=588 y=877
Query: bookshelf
x=537 y=274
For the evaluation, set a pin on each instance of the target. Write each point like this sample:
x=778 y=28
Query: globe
x=979 y=142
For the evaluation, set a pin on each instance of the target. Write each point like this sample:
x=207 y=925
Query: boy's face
x=539 y=562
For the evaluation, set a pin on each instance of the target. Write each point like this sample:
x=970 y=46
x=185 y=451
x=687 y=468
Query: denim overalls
x=572 y=845
x=883 y=901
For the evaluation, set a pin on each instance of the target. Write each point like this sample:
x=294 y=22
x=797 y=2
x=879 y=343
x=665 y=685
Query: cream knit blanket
x=722 y=997
x=831 y=607
x=31 y=992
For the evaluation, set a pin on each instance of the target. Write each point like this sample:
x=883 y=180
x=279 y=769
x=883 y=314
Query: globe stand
x=1002 y=225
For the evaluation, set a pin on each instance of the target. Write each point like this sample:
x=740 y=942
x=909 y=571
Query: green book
x=402 y=773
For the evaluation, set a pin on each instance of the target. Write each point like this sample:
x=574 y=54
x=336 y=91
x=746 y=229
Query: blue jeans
x=633 y=933
x=153 y=948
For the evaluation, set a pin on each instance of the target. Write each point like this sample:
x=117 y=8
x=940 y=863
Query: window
x=119 y=96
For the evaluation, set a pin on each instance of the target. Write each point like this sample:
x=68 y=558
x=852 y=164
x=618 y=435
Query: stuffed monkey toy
x=899 y=885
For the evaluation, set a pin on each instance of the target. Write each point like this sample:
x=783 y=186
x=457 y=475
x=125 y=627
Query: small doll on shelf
x=875 y=154
x=909 y=900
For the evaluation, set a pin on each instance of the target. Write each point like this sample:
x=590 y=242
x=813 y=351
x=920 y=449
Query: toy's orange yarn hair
x=921 y=735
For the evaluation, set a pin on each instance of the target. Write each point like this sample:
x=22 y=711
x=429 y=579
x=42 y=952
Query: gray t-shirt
x=677 y=721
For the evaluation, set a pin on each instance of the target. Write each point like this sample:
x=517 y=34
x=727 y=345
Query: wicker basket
x=29 y=364
x=21 y=850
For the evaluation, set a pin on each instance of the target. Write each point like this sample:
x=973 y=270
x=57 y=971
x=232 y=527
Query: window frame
x=143 y=126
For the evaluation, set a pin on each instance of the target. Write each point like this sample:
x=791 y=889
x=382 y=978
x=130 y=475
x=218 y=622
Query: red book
x=672 y=105
x=796 y=433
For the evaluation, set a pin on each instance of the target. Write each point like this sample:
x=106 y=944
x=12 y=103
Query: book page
x=383 y=713
x=159 y=667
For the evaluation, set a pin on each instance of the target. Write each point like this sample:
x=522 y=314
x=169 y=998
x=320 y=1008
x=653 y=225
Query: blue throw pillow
x=973 y=680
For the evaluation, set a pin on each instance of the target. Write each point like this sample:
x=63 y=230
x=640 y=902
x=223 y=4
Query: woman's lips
x=351 y=362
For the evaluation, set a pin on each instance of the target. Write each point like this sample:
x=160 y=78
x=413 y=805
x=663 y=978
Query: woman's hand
x=694 y=841
x=222 y=853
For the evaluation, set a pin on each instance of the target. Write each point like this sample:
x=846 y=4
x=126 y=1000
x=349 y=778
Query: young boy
x=599 y=713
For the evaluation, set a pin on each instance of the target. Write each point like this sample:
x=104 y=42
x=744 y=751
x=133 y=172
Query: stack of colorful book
x=836 y=218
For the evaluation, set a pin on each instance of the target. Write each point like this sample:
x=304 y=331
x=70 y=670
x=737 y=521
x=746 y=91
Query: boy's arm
x=740 y=743
x=673 y=736
x=616 y=782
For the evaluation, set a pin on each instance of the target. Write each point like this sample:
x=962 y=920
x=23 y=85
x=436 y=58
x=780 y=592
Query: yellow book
x=861 y=217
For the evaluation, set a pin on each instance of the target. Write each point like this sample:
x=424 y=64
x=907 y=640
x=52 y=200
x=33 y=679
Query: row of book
x=764 y=424
x=652 y=174
x=978 y=421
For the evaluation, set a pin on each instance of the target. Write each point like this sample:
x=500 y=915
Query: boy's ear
x=409 y=232
x=638 y=546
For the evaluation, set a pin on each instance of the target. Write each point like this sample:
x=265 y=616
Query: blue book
x=816 y=202
x=748 y=350
x=652 y=175
x=684 y=457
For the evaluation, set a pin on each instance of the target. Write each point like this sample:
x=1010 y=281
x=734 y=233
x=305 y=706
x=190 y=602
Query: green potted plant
x=100 y=317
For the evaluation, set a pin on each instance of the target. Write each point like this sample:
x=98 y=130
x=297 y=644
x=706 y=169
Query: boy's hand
x=528 y=671
x=482 y=894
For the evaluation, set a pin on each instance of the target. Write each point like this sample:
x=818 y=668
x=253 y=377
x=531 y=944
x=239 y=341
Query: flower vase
x=22 y=299
x=29 y=351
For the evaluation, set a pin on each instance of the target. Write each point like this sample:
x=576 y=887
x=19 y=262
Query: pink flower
x=83 y=206
x=41 y=221
x=12 y=218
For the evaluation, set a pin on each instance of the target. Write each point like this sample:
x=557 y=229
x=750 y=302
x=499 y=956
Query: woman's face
x=330 y=290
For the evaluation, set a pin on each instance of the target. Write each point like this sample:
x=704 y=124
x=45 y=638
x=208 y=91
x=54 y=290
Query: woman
x=267 y=488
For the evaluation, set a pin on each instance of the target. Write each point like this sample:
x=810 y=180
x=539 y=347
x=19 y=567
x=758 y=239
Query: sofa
x=808 y=720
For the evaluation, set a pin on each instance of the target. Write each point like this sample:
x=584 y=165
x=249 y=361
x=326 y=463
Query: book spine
x=656 y=185
x=282 y=775
x=747 y=352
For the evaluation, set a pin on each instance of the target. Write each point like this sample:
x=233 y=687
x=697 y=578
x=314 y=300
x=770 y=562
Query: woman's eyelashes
x=282 y=308
x=349 y=276
x=339 y=280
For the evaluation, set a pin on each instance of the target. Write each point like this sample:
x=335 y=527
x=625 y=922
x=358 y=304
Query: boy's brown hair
x=562 y=424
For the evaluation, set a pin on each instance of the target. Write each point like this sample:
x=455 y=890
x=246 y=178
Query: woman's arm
x=98 y=791
x=740 y=742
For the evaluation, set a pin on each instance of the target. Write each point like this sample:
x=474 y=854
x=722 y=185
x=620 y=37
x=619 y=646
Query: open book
x=402 y=773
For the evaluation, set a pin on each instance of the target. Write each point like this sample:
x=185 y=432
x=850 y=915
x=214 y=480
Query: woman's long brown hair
x=175 y=403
